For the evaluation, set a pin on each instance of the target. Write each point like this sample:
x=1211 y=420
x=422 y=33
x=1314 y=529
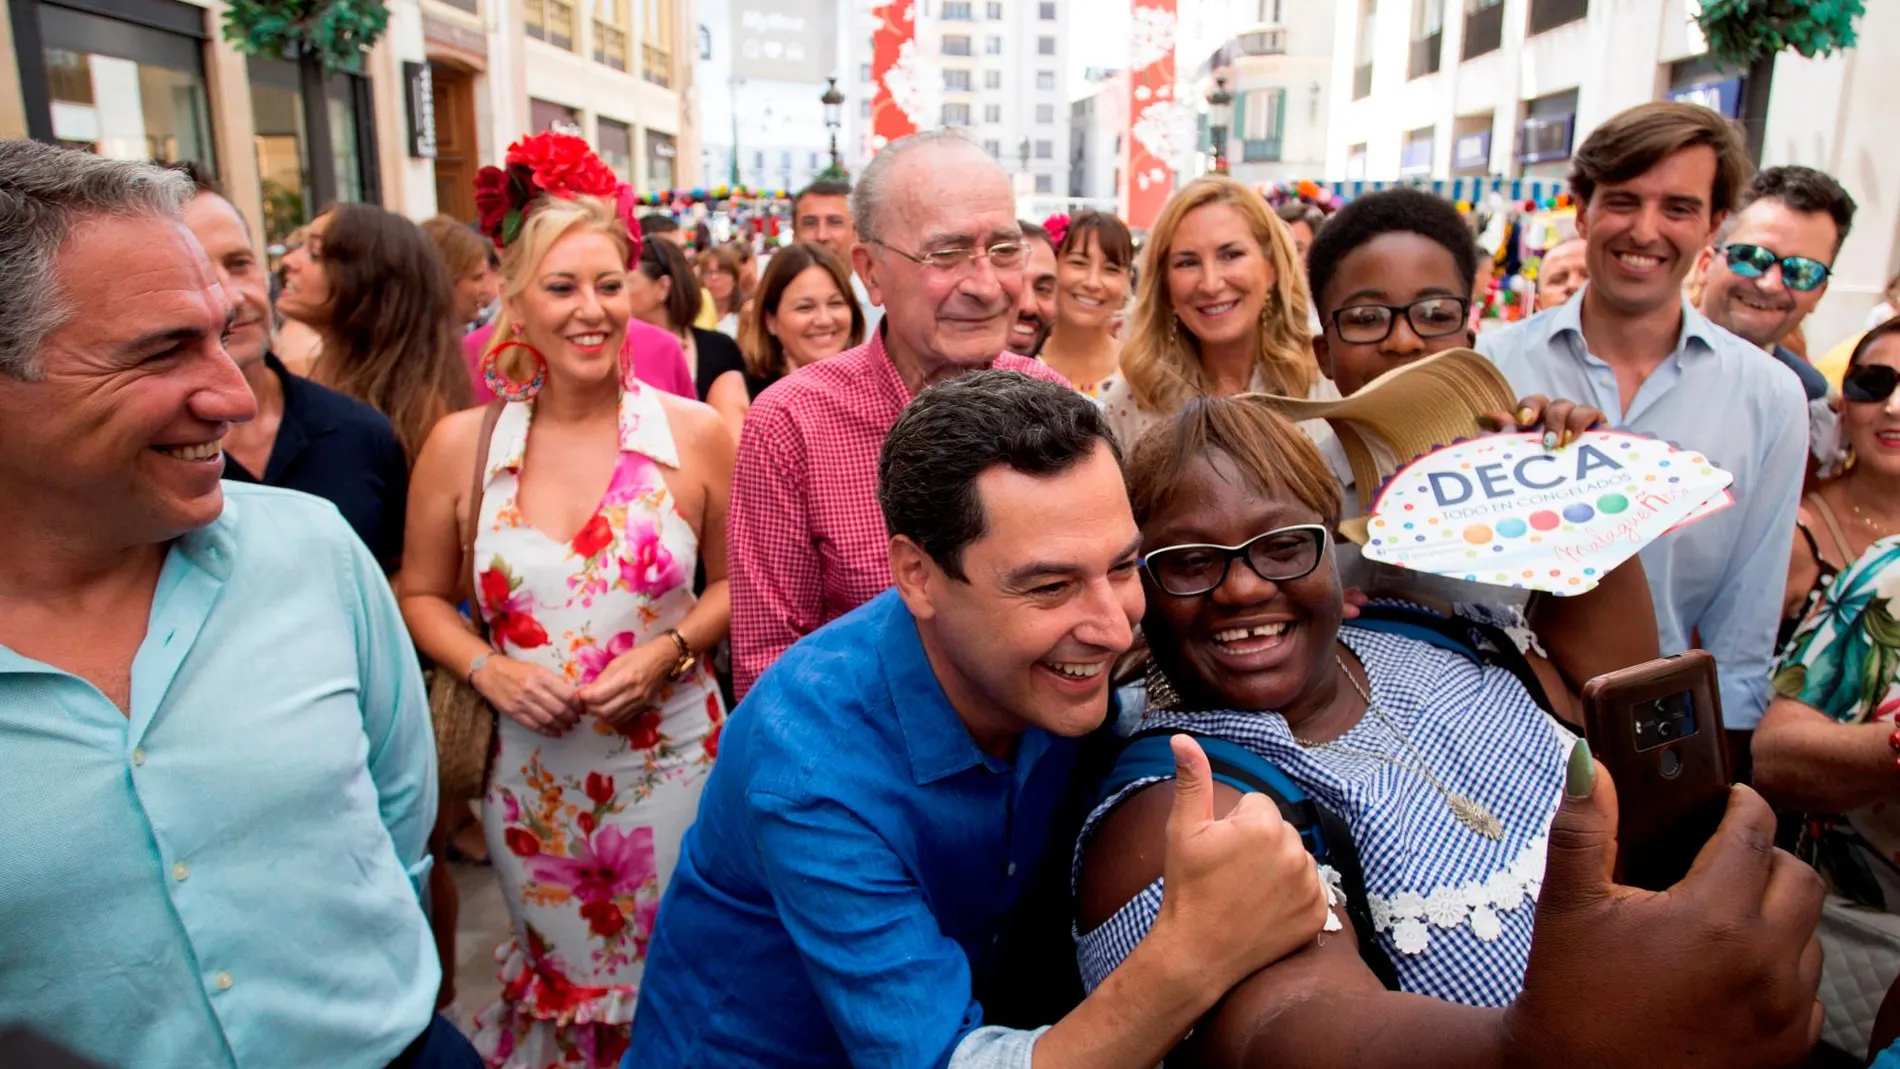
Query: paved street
x=483 y=926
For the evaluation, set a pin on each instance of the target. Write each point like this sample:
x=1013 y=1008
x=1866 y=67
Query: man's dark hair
x=956 y=431
x=822 y=187
x=1388 y=211
x=201 y=178
x=1805 y=190
x=653 y=223
x=1299 y=211
x=1638 y=138
x=1032 y=230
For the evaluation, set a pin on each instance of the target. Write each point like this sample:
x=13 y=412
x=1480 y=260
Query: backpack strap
x=1149 y=755
x=1457 y=635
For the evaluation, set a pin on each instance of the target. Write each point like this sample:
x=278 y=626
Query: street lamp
x=834 y=117
x=1220 y=105
x=1022 y=153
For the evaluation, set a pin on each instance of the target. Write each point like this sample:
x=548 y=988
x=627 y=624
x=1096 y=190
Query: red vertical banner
x=894 y=65
x=1155 y=123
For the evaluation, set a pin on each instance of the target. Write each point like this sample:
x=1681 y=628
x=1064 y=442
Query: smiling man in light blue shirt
x=1653 y=184
x=219 y=771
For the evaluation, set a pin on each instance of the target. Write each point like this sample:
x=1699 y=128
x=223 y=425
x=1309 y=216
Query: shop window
x=282 y=147
x=121 y=90
x=616 y=148
x=663 y=153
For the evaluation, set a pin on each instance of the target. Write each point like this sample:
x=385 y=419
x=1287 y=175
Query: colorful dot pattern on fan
x=1504 y=510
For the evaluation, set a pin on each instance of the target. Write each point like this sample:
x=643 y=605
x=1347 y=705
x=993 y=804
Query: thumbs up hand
x=1718 y=971
x=1239 y=891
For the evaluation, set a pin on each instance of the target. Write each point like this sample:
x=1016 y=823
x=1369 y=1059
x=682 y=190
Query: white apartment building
x=1098 y=124
x=997 y=69
x=761 y=75
x=1278 y=64
x=1446 y=88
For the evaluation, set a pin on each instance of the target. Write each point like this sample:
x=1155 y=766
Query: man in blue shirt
x=219 y=769
x=306 y=437
x=1653 y=184
x=884 y=793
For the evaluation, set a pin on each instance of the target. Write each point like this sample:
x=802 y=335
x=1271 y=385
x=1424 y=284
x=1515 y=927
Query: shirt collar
x=938 y=743
x=643 y=429
x=890 y=381
x=213 y=547
x=1568 y=316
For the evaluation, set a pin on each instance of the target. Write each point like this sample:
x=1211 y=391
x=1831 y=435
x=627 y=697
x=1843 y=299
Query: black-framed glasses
x=1870 y=384
x=1431 y=317
x=1003 y=255
x=1279 y=556
x=1753 y=261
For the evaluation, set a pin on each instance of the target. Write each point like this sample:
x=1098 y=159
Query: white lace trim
x=1335 y=891
x=1410 y=915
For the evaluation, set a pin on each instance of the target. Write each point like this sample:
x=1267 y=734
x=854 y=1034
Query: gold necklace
x=1877 y=529
x=1469 y=811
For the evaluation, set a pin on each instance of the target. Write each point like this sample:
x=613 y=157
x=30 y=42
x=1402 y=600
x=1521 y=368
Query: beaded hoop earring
x=508 y=389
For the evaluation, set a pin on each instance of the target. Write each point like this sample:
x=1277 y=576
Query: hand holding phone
x=1657 y=727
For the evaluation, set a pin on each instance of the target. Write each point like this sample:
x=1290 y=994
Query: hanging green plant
x=1740 y=32
x=338 y=31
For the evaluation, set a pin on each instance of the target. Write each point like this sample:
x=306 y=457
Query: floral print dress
x=584 y=829
x=1845 y=661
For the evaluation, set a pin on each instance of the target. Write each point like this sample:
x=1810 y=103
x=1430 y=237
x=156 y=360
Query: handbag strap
x=478 y=485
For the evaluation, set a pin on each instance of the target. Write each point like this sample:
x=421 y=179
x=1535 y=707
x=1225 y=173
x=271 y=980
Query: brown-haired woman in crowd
x=804 y=312
x=719 y=271
x=665 y=294
x=1093 y=263
x=375 y=290
x=1221 y=309
x=471 y=263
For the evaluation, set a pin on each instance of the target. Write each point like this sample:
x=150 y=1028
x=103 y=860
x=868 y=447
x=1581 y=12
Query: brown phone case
x=1671 y=785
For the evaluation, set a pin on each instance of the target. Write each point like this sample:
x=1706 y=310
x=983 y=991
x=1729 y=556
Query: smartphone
x=1657 y=727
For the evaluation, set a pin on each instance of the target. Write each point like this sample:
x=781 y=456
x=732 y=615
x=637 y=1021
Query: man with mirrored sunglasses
x=1772 y=259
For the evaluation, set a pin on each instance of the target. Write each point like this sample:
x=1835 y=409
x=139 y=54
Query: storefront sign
x=421 y=110
x=1724 y=97
x=1472 y=152
x=1415 y=157
x=436 y=31
x=1503 y=510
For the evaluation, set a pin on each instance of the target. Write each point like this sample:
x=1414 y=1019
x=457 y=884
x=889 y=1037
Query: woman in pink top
x=656 y=357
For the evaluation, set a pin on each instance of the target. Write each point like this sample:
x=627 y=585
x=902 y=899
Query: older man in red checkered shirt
x=940 y=250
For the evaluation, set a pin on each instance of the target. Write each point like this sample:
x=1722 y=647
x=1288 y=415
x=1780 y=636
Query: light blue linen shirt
x=227 y=877
x=1722 y=577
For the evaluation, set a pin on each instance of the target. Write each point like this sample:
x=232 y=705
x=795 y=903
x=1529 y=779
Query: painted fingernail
x=1565 y=439
x=1550 y=440
x=1525 y=415
x=1580 y=777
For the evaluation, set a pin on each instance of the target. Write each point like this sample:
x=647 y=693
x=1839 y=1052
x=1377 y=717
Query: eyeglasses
x=1431 y=317
x=1279 y=556
x=1753 y=261
x=1870 y=384
x=1004 y=256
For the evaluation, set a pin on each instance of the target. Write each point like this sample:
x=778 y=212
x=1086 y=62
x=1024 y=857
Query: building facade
x=762 y=68
x=1278 y=66
x=1098 y=127
x=1449 y=88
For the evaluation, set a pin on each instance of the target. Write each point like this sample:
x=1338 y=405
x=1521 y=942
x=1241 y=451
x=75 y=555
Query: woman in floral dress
x=599 y=496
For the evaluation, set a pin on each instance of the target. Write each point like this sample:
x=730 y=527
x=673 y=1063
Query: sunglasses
x=1870 y=384
x=1279 y=556
x=1753 y=261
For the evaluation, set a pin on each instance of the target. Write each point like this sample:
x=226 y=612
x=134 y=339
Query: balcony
x=1265 y=150
x=1261 y=41
x=1362 y=81
x=656 y=66
x=1424 y=59
x=1550 y=14
x=1484 y=29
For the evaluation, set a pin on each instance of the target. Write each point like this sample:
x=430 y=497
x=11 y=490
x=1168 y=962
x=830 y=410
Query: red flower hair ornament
x=553 y=165
x=1058 y=227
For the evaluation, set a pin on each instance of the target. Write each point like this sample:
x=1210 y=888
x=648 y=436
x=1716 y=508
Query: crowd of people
x=938 y=641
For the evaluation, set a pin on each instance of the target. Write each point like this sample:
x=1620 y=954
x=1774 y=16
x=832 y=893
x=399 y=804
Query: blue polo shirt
x=335 y=447
x=853 y=863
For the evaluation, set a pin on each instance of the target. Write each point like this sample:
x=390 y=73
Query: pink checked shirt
x=805 y=537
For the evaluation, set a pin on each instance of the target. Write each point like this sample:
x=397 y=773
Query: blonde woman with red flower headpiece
x=598 y=497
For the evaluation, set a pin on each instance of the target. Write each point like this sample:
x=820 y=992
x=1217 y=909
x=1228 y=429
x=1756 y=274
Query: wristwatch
x=686 y=661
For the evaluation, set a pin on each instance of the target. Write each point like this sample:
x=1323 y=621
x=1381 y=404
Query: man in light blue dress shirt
x=220 y=773
x=1653 y=184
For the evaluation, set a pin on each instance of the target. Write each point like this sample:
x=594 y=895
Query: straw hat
x=1404 y=413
